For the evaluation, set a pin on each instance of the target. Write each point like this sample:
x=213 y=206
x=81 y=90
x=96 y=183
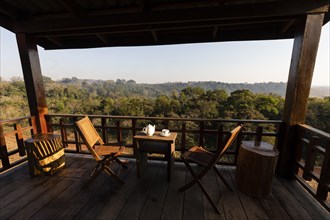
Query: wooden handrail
x=201 y=129
x=314 y=142
x=18 y=129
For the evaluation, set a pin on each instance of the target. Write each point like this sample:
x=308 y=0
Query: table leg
x=169 y=158
x=141 y=159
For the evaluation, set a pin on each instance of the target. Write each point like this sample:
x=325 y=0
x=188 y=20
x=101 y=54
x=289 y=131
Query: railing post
x=63 y=134
x=220 y=135
x=76 y=140
x=3 y=150
x=166 y=122
x=238 y=144
x=258 y=138
x=104 y=130
x=32 y=122
x=201 y=133
x=118 y=130
x=133 y=127
x=310 y=158
x=183 y=137
x=19 y=139
x=48 y=120
x=322 y=189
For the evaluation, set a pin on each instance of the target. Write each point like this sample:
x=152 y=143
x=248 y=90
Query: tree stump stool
x=255 y=168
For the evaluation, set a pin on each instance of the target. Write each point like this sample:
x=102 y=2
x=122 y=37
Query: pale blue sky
x=232 y=62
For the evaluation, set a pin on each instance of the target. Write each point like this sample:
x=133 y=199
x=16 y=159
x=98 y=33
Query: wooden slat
x=215 y=188
x=153 y=207
x=293 y=208
x=114 y=205
x=308 y=202
x=252 y=206
x=193 y=201
x=136 y=200
x=105 y=196
x=232 y=205
x=173 y=205
x=67 y=195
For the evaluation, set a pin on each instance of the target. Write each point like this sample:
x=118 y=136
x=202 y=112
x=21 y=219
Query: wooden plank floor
x=70 y=195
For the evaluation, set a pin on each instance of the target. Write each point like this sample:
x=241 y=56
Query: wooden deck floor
x=67 y=195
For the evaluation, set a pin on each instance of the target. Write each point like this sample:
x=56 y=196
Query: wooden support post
x=304 y=53
x=33 y=79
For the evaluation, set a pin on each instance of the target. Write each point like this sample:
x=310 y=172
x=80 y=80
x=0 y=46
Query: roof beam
x=154 y=35
x=276 y=9
x=164 y=27
x=74 y=7
x=102 y=38
x=55 y=41
x=8 y=10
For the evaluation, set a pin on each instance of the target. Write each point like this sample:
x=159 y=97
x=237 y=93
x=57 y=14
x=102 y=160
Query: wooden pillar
x=33 y=79
x=303 y=58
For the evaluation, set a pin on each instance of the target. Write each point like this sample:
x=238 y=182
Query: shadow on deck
x=67 y=195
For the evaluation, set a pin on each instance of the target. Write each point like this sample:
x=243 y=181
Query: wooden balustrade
x=191 y=131
x=14 y=128
x=313 y=162
x=205 y=132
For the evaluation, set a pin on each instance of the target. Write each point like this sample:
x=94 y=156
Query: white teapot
x=149 y=130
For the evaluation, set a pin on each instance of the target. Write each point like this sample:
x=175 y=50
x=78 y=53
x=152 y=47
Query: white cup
x=165 y=132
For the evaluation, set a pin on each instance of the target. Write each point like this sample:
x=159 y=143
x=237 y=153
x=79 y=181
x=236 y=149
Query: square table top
x=156 y=137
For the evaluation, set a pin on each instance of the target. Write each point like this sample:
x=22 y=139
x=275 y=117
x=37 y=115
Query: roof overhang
x=64 y=24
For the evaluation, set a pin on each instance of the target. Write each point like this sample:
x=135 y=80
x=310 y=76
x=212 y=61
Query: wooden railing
x=191 y=131
x=203 y=132
x=12 y=135
x=313 y=162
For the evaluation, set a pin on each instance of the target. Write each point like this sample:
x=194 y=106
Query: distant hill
x=167 y=88
x=320 y=91
x=153 y=90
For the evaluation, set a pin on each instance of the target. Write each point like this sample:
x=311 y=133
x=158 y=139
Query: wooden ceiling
x=63 y=24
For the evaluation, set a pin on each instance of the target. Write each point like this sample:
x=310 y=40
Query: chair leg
x=120 y=162
x=111 y=173
x=190 y=183
x=223 y=179
x=197 y=180
x=95 y=169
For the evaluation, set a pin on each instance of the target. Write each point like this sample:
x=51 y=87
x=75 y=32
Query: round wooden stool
x=255 y=168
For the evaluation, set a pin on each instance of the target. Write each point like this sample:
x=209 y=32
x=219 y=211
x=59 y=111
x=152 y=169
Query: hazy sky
x=232 y=62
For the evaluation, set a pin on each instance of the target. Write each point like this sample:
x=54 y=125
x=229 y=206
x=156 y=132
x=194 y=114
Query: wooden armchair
x=103 y=154
x=208 y=161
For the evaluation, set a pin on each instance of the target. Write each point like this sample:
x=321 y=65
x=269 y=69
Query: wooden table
x=45 y=154
x=255 y=168
x=156 y=143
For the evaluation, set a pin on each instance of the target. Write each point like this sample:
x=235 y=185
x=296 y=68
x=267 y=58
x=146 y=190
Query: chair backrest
x=89 y=135
x=229 y=139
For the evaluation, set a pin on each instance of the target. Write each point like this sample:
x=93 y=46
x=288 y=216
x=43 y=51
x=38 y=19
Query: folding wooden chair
x=109 y=152
x=207 y=160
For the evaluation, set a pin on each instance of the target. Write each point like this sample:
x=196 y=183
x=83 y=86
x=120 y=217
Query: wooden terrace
x=90 y=24
x=68 y=195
